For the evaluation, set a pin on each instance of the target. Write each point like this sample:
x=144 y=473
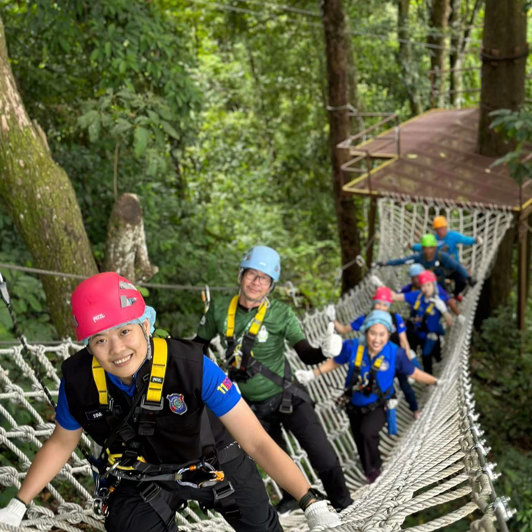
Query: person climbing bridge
x=144 y=400
x=369 y=390
x=448 y=241
x=424 y=328
x=440 y=262
x=382 y=300
x=254 y=330
x=413 y=272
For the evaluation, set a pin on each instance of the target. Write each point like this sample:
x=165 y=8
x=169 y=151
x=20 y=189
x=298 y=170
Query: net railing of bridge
x=439 y=458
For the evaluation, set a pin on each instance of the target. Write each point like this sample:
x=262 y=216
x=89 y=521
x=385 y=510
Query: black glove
x=378 y=264
x=471 y=282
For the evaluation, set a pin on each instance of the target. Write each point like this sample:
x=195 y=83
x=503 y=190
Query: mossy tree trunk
x=336 y=51
x=39 y=197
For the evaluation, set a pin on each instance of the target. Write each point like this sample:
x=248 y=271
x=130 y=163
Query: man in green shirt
x=254 y=330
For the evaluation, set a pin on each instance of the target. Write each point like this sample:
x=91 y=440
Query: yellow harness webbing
x=156 y=382
x=256 y=323
x=158 y=370
x=98 y=374
x=428 y=310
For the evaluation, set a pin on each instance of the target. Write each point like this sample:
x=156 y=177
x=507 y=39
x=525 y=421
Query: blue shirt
x=213 y=377
x=432 y=318
x=357 y=323
x=439 y=264
x=449 y=243
x=395 y=362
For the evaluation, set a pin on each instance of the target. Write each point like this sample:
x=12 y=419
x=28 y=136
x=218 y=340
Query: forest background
x=215 y=115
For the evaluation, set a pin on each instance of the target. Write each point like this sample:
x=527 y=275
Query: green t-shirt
x=279 y=324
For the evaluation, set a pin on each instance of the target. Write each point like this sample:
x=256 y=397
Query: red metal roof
x=434 y=158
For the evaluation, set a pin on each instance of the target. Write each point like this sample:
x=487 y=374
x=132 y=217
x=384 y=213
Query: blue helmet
x=415 y=269
x=378 y=316
x=263 y=259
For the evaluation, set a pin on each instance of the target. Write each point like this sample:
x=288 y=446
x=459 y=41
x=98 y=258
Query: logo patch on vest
x=384 y=366
x=177 y=403
x=93 y=415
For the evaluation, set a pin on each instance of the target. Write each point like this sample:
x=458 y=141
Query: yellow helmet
x=439 y=221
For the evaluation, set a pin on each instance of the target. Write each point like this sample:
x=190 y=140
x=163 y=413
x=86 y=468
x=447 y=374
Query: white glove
x=331 y=345
x=432 y=336
x=479 y=240
x=304 y=376
x=461 y=319
x=330 y=312
x=412 y=355
x=13 y=513
x=439 y=304
x=318 y=514
x=375 y=281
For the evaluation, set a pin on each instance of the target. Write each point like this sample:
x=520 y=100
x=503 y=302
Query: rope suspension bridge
x=439 y=458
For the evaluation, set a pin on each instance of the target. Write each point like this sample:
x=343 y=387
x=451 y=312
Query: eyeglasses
x=260 y=278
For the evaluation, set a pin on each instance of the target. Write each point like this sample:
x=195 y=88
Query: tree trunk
x=504 y=53
x=336 y=51
x=461 y=31
x=126 y=252
x=503 y=87
x=455 y=57
x=39 y=197
x=405 y=58
x=439 y=15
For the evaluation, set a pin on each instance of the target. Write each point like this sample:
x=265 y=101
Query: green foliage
x=216 y=119
x=517 y=127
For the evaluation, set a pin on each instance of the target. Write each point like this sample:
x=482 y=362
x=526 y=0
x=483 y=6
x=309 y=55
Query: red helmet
x=104 y=301
x=384 y=294
x=426 y=277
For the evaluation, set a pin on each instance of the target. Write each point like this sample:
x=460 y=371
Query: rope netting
x=439 y=458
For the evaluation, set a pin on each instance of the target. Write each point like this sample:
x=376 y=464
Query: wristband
x=311 y=494
x=20 y=500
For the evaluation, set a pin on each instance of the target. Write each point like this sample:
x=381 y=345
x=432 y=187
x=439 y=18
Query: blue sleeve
x=459 y=238
x=401 y=327
x=62 y=412
x=410 y=297
x=345 y=353
x=444 y=296
x=404 y=260
x=218 y=391
x=403 y=364
x=406 y=288
x=356 y=324
x=451 y=264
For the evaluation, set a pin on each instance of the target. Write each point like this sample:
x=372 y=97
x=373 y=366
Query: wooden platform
x=432 y=156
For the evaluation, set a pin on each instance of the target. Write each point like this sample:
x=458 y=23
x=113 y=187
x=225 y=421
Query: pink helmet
x=384 y=294
x=104 y=301
x=426 y=277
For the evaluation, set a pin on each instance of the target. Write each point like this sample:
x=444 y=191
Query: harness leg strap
x=224 y=502
x=153 y=496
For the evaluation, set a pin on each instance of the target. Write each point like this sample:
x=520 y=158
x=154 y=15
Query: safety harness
x=422 y=325
x=140 y=421
x=243 y=365
x=366 y=385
